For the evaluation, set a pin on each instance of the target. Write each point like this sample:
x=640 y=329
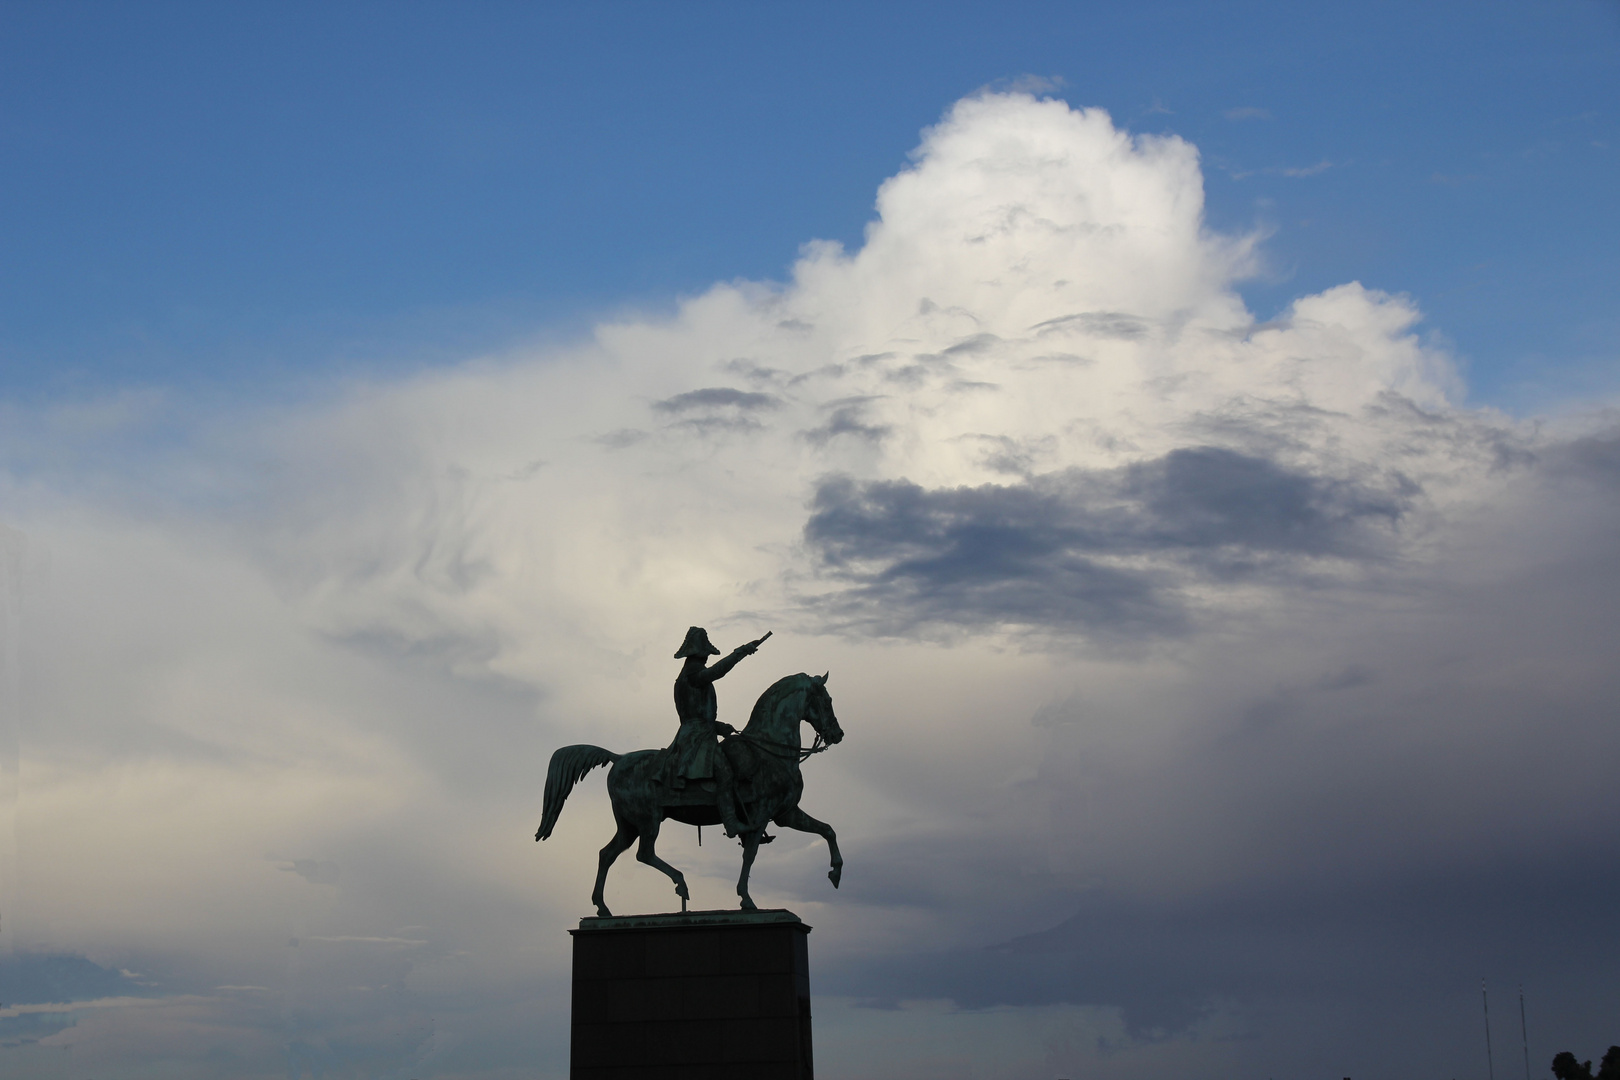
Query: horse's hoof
x=748 y=905
x=680 y=891
x=834 y=874
x=602 y=912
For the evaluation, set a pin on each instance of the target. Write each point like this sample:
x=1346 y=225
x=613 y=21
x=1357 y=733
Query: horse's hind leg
x=615 y=847
x=750 y=849
x=646 y=854
x=794 y=818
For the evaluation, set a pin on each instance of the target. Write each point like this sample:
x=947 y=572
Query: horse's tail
x=568 y=767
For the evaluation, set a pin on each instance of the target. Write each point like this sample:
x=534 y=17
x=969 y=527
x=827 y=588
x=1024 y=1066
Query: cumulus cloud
x=1172 y=646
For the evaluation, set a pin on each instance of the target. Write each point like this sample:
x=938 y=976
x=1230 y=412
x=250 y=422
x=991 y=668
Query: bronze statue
x=744 y=782
x=694 y=755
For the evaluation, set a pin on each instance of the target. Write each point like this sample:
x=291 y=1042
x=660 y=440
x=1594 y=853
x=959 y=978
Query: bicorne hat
x=697 y=644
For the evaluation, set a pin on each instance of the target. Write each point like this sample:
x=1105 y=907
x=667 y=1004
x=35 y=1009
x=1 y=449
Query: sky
x=1188 y=435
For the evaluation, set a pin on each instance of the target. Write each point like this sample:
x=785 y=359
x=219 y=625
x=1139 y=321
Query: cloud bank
x=1213 y=687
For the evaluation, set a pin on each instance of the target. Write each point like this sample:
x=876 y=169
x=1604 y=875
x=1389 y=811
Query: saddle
x=692 y=802
x=697 y=801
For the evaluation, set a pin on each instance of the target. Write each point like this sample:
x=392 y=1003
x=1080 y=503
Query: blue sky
x=245 y=195
x=1188 y=434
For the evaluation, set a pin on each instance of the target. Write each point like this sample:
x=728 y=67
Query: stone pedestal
x=705 y=995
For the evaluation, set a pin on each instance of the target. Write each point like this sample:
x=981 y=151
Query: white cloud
x=1282 y=611
x=1308 y=170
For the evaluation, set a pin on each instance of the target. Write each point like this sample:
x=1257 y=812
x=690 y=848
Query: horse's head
x=819 y=710
x=790 y=701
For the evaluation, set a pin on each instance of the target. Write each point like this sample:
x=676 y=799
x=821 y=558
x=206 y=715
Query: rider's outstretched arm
x=719 y=668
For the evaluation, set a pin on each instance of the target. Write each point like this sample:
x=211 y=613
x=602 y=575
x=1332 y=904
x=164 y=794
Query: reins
x=785 y=750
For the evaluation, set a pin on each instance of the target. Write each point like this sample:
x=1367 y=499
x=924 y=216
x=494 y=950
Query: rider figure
x=696 y=750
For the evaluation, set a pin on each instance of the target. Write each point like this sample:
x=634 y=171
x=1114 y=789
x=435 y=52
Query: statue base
x=702 y=995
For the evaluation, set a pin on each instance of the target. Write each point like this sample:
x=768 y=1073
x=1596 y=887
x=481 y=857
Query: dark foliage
x=1565 y=1067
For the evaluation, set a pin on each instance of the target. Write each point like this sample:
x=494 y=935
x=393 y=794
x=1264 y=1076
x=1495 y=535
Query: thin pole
x=1524 y=1030
x=1486 y=998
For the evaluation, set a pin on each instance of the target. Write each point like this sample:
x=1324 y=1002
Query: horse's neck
x=779 y=724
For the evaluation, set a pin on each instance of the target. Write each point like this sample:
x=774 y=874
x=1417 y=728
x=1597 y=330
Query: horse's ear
x=820 y=680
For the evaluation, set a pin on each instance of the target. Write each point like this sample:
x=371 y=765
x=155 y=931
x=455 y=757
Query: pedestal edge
x=676 y=920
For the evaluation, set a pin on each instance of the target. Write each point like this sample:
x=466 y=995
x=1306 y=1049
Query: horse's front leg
x=750 y=843
x=794 y=818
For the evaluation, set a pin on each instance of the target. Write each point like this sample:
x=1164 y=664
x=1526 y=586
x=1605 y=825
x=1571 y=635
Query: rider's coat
x=697 y=741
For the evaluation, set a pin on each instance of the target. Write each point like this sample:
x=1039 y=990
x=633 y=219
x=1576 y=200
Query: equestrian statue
x=742 y=782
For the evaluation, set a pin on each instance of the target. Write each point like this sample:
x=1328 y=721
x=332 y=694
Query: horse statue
x=765 y=758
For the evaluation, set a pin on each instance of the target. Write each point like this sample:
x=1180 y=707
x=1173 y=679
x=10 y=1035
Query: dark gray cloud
x=28 y=1028
x=1342 y=845
x=913 y=376
x=755 y=371
x=718 y=397
x=28 y=978
x=718 y=425
x=847 y=419
x=939 y=363
x=1393 y=946
x=718 y=410
x=1108 y=324
x=1595 y=457
x=1066 y=550
x=55 y=979
x=1003 y=454
x=972 y=346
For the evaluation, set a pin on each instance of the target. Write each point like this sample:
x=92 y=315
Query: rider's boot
x=733 y=822
x=725 y=782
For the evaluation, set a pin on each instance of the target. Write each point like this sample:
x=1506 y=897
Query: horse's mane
x=766 y=706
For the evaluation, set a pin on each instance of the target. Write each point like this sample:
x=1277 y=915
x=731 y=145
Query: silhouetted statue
x=744 y=782
x=695 y=753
